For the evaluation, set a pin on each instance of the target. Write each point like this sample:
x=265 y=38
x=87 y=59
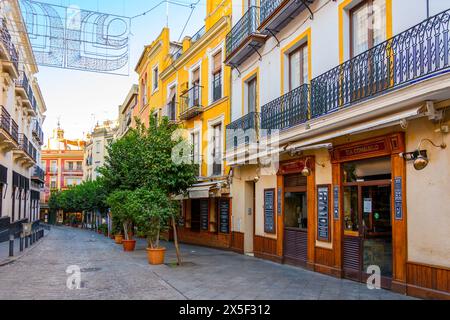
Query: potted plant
x=117 y=230
x=119 y=202
x=152 y=209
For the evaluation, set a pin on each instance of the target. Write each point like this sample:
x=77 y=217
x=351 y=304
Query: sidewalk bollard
x=21 y=243
x=26 y=242
x=11 y=245
x=32 y=238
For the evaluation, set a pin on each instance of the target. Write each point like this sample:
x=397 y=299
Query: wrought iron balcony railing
x=275 y=14
x=8 y=124
x=5 y=120
x=191 y=103
x=32 y=151
x=38 y=174
x=408 y=57
x=14 y=130
x=287 y=111
x=243 y=131
x=24 y=143
x=411 y=56
x=243 y=29
x=22 y=81
x=268 y=7
x=38 y=133
x=6 y=39
x=200 y=33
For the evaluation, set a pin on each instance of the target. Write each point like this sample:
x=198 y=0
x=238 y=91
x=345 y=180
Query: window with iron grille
x=217 y=150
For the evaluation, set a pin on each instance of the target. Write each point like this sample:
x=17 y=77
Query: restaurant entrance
x=367 y=210
x=295 y=219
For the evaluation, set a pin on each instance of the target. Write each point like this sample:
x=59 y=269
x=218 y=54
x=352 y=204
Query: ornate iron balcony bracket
x=306 y=3
x=274 y=35
x=256 y=50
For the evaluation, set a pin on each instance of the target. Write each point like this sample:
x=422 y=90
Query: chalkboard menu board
x=336 y=203
x=323 y=223
x=398 y=198
x=204 y=214
x=224 y=216
x=269 y=211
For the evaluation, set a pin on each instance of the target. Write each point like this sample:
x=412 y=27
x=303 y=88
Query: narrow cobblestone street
x=110 y=273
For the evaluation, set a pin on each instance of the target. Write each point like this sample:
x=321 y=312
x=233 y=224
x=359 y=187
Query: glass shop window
x=367 y=170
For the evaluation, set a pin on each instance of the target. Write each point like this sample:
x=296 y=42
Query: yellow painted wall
x=156 y=54
x=218 y=24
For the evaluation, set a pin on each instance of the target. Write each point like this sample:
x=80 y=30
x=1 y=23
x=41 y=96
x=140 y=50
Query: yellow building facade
x=189 y=83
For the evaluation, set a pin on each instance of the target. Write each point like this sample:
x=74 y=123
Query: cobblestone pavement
x=110 y=273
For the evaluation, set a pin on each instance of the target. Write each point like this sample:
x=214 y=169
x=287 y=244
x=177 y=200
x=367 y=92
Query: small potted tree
x=152 y=209
x=117 y=230
x=119 y=202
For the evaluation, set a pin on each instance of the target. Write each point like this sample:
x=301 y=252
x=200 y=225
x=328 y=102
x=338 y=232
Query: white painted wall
x=324 y=43
x=428 y=198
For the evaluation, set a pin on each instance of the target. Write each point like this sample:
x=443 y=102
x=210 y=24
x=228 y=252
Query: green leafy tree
x=152 y=210
x=119 y=202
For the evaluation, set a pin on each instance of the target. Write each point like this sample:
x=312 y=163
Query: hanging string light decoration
x=74 y=38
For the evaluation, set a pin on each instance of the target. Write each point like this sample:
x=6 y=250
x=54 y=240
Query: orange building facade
x=63 y=163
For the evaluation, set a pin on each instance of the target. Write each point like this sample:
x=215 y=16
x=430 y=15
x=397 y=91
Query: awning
x=299 y=147
x=206 y=190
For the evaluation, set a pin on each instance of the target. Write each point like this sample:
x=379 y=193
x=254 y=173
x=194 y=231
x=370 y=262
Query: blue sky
x=81 y=99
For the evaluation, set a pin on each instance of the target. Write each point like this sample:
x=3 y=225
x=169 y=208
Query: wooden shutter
x=196 y=76
x=217 y=62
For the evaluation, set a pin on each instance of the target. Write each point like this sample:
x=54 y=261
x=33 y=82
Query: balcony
x=37 y=132
x=244 y=39
x=200 y=33
x=22 y=85
x=73 y=171
x=276 y=14
x=415 y=55
x=25 y=153
x=8 y=52
x=243 y=132
x=38 y=175
x=287 y=111
x=8 y=131
x=191 y=103
x=25 y=91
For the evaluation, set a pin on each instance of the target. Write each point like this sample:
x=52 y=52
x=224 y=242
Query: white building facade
x=22 y=111
x=339 y=137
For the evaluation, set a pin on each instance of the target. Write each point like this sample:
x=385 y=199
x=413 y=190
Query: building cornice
x=199 y=45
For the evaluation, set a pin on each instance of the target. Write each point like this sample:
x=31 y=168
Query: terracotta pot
x=129 y=245
x=118 y=239
x=156 y=256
